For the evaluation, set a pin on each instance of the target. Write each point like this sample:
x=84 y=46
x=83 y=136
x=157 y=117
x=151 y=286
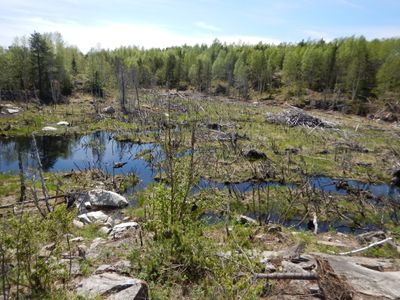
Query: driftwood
x=367 y=247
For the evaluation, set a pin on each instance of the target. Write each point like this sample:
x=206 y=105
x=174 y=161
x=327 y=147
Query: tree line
x=44 y=67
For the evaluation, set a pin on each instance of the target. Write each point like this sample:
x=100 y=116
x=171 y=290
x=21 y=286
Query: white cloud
x=111 y=35
x=206 y=26
x=370 y=32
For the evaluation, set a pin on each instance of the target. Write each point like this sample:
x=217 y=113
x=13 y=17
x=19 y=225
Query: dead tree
x=40 y=169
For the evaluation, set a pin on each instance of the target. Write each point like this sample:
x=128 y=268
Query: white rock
x=49 y=128
x=94 y=249
x=119 y=229
x=63 y=123
x=105 y=230
x=112 y=286
x=109 y=110
x=93 y=217
x=77 y=223
x=77 y=239
x=12 y=111
x=242 y=219
x=103 y=198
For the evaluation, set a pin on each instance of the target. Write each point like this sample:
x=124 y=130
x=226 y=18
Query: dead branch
x=367 y=247
x=32 y=201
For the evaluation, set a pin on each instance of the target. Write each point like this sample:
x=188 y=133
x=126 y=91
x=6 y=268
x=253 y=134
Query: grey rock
x=105 y=269
x=120 y=229
x=77 y=239
x=11 y=111
x=136 y=292
x=94 y=249
x=105 y=230
x=112 y=286
x=123 y=265
x=93 y=217
x=108 y=110
x=364 y=276
x=101 y=198
x=242 y=219
x=49 y=128
x=47 y=250
x=77 y=224
x=74 y=264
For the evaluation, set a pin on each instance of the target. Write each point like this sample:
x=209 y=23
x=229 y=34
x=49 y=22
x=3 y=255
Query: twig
x=367 y=247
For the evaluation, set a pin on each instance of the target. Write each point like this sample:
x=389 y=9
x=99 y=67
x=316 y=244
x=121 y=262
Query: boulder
x=93 y=217
x=11 y=111
x=242 y=219
x=112 y=286
x=103 y=198
x=368 y=277
x=108 y=110
x=49 y=128
x=105 y=230
x=94 y=249
x=120 y=229
x=77 y=224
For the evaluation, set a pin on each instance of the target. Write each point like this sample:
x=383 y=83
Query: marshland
x=200 y=172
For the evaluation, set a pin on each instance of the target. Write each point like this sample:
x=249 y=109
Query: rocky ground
x=111 y=277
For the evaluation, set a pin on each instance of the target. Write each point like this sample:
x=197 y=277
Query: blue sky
x=163 y=23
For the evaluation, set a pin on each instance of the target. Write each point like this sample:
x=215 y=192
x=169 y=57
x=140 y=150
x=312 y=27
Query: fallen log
x=31 y=202
x=367 y=247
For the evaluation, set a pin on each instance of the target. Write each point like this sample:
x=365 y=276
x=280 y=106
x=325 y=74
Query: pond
x=100 y=150
x=66 y=153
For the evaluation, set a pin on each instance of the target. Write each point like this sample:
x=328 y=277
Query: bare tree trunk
x=137 y=96
x=44 y=189
x=21 y=175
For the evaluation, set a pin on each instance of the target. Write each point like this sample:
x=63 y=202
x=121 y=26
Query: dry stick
x=367 y=247
x=44 y=190
x=32 y=201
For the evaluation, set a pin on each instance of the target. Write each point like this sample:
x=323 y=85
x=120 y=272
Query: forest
x=354 y=69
